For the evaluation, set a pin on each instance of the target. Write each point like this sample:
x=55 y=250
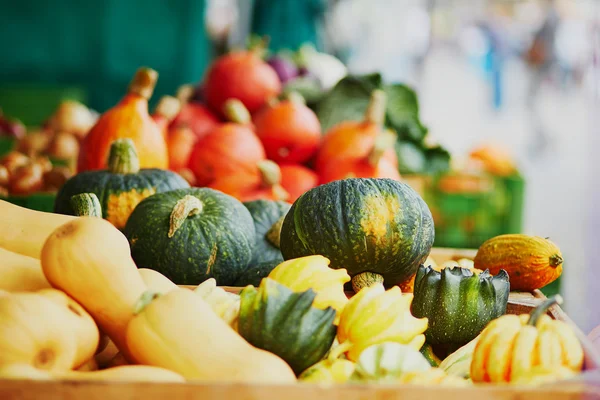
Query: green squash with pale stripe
x=378 y=229
x=268 y=216
x=191 y=235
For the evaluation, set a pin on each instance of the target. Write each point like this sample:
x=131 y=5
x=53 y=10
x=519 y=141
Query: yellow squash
x=89 y=259
x=513 y=346
x=313 y=272
x=375 y=315
x=126 y=373
x=37 y=331
x=156 y=281
x=180 y=332
x=19 y=273
x=24 y=231
x=226 y=305
x=86 y=330
x=328 y=371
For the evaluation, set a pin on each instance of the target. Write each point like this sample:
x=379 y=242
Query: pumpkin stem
x=555 y=260
x=123 y=157
x=259 y=45
x=86 y=205
x=365 y=279
x=145 y=299
x=295 y=98
x=168 y=107
x=273 y=235
x=376 y=110
x=270 y=173
x=184 y=208
x=543 y=308
x=143 y=82
x=236 y=111
x=337 y=351
x=383 y=142
x=185 y=93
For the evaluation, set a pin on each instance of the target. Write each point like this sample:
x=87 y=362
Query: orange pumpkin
x=297 y=179
x=165 y=112
x=355 y=139
x=194 y=115
x=230 y=149
x=180 y=142
x=128 y=119
x=373 y=165
x=289 y=130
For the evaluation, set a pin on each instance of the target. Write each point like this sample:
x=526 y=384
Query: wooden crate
x=585 y=386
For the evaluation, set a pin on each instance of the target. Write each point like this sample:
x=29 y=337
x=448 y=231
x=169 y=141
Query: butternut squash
x=38 y=332
x=24 y=231
x=19 y=273
x=126 y=373
x=89 y=259
x=156 y=281
x=86 y=330
x=180 y=332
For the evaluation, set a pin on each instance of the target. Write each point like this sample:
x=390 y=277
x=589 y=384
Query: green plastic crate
x=38 y=201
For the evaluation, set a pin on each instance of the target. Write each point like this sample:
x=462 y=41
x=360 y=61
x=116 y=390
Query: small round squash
x=374 y=228
x=191 y=235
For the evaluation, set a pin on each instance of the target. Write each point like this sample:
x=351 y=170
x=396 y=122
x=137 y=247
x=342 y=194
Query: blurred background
x=521 y=74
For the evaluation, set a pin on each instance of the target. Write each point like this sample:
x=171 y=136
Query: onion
x=27 y=179
x=286 y=69
x=64 y=146
x=73 y=117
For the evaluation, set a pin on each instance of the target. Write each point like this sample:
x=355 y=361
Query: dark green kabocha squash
x=254 y=274
x=377 y=229
x=458 y=304
x=191 y=235
x=268 y=216
x=119 y=188
x=283 y=322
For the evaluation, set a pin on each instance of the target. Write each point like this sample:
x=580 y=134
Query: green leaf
x=411 y=157
x=309 y=88
x=403 y=112
x=438 y=160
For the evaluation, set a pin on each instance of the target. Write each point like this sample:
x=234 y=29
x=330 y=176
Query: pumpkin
x=86 y=204
x=355 y=139
x=374 y=316
x=373 y=165
x=24 y=231
x=297 y=180
x=167 y=109
x=37 y=331
x=289 y=130
x=19 y=273
x=255 y=273
x=268 y=217
x=378 y=229
x=264 y=183
x=89 y=255
x=156 y=281
x=285 y=323
x=313 y=272
x=121 y=187
x=230 y=149
x=512 y=346
x=83 y=325
x=240 y=75
x=207 y=349
x=532 y=262
x=125 y=373
x=191 y=235
x=226 y=305
x=328 y=372
x=194 y=115
x=180 y=141
x=458 y=303
x=387 y=362
x=128 y=119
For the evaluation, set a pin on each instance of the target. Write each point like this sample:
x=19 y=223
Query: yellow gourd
x=226 y=305
x=37 y=331
x=19 y=273
x=85 y=329
x=375 y=315
x=180 y=332
x=156 y=281
x=24 y=231
x=313 y=272
x=337 y=371
x=89 y=259
x=126 y=373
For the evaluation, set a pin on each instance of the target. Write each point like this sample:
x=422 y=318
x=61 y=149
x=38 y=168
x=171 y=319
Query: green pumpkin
x=121 y=187
x=268 y=217
x=276 y=319
x=458 y=304
x=191 y=235
x=255 y=273
x=377 y=229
